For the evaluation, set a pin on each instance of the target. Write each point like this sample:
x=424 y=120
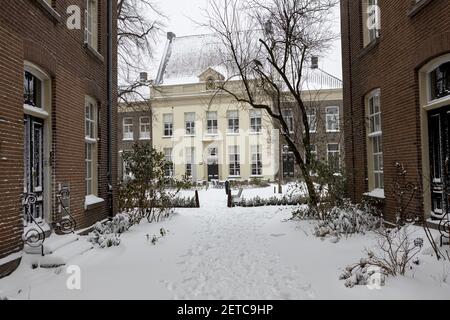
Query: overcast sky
x=181 y=12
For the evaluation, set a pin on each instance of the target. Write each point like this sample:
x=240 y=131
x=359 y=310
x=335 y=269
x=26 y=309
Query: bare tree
x=269 y=42
x=139 y=23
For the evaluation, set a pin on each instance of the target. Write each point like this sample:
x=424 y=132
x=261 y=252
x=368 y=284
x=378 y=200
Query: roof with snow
x=186 y=59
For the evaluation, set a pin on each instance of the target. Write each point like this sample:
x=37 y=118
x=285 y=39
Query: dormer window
x=210 y=85
x=440 y=81
x=32 y=90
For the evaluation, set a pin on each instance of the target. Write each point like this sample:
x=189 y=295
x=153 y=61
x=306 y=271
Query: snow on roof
x=185 y=58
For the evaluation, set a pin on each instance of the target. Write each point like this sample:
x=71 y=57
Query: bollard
x=229 y=200
x=197 y=200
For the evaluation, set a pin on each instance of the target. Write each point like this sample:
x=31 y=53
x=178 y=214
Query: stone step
x=62 y=255
x=52 y=243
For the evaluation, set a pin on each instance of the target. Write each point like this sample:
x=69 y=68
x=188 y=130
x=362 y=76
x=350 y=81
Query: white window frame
x=144 y=128
x=211 y=123
x=332 y=119
x=91 y=124
x=168 y=153
x=233 y=121
x=189 y=123
x=128 y=130
x=190 y=161
x=375 y=134
x=288 y=117
x=311 y=115
x=256 y=158
x=334 y=153
x=234 y=158
x=168 y=125
x=371 y=14
x=255 y=121
x=91 y=24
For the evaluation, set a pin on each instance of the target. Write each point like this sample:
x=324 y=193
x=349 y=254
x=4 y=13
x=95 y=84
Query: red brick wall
x=29 y=33
x=406 y=43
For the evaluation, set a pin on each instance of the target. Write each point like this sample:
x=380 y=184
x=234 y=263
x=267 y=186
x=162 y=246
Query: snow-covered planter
x=107 y=234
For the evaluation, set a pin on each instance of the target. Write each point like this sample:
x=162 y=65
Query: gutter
x=109 y=89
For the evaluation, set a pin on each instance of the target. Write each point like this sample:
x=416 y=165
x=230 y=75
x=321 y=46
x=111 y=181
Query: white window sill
x=256 y=176
x=234 y=177
x=374 y=134
x=93 y=52
x=376 y=193
x=90 y=140
x=91 y=201
x=211 y=134
x=144 y=139
x=232 y=133
x=128 y=139
x=255 y=133
x=189 y=135
x=333 y=131
x=35 y=111
x=167 y=137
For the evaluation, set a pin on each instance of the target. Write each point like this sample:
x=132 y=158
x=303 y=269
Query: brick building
x=53 y=121
x=396 y=66
x=134 y=124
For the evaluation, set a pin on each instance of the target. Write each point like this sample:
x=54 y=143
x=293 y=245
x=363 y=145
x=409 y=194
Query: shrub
x=107 y=234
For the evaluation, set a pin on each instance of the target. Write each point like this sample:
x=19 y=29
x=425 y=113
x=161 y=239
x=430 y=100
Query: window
x=233 y=121
x=211 y=122
x=312 y=119
x=234 y=158
x=332 y=119
x=371 y=21
x=375 y=143
x=32 y=90
x=333 y=157
x=189 y=123
x=256 y=160
x=168 y=124
x=144 y=125
x=91 y=24
x=90 y=145
x=255 y=120
x=190 y=153
x=128 y=129
x=289 y=119
x=440 y=81
x=210 y=84
x=170 y=166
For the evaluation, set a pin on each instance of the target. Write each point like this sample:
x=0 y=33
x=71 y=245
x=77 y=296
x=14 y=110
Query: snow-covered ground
x=219 y=253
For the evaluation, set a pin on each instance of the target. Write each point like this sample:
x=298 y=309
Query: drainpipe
x=350 y=67
x=109 y=88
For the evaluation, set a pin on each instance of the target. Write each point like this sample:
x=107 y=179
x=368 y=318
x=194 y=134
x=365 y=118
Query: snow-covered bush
x=364 y=273
x=394 y=254
x=346 y=220
x=107 y=234
x=184 y=202
x=272 y=201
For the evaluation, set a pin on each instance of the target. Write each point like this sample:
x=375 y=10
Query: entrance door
x=33 y=167
x=213 y=171
x=288 y=163
x=438 y=123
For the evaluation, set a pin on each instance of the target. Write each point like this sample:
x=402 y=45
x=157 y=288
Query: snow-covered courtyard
x=215 y=252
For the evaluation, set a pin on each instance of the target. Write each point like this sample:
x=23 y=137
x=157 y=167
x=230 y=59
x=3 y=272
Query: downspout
x=350 y=67
x=109 y=89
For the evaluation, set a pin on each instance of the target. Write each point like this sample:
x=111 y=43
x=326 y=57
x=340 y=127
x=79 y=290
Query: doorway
x=439 y=141
x=34 y=168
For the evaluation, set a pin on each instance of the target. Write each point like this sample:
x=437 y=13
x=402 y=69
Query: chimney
x=314 y=62
x=170 y=36
x=143 y=77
